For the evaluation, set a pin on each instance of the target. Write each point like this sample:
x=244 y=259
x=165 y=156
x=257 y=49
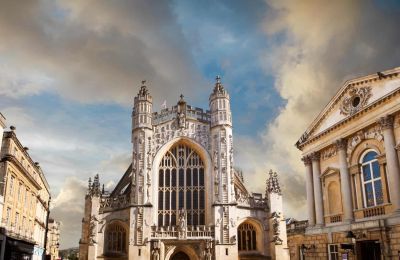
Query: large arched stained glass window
x=371 y=177
x=181 y=186
x=115 y=239
x=247 y=238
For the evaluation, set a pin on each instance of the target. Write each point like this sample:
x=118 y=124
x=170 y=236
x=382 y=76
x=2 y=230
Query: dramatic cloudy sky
x=69 y=71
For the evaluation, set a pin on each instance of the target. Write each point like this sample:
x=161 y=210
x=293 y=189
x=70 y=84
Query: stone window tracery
x=115 y=239
x=371 y=178
x=247 y=237
x=181 y=186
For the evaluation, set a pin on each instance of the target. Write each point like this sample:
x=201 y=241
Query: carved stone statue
x=181 y=120
x=182 y=223
x=215 y=159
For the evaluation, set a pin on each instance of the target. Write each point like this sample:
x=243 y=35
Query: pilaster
x=316 y=169
x=309 y=191
x=341 y=145
x=392 y=160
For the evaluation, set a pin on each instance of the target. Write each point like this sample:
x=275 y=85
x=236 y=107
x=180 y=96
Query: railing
x=119 y=201
x=375 y=211
x=174 y=232
x=297 y=227
x=255 y=201
x=335 y=218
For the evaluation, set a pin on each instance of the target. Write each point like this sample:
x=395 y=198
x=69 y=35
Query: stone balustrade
x=375 y=211
x=173 y=232
x=120 y=201
x=335 y=218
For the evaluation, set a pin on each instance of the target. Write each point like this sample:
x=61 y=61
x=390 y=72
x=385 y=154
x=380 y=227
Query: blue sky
x=69 y=71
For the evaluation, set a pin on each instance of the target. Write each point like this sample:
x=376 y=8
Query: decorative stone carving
x=182 y=223
x=215 y=160
x=328 y=153
x=273 y=183
x=218 y=222
x=119 y=201
x=155 y=250
x=341 y=143
x=276 y=219
x=315 y=156
x=306 y=160
x=355 y=100
x=182 y=120
x=374 y=132
x=208 y=250
x=92 y=229
x=200 y=134
x=232 y=222
x=386 y=122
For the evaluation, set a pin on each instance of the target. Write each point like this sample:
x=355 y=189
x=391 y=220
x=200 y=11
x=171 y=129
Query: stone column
x=341 y=145
x=310 y=191
x=392 y=161
x=319 y=210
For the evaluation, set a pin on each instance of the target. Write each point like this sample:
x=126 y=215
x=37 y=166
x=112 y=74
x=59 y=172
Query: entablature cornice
x=11 y=159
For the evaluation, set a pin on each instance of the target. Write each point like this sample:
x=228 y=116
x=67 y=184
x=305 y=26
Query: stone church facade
x=181 y=197
x=351 y=159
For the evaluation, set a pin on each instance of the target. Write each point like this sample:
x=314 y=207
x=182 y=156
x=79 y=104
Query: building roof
x=336 y=112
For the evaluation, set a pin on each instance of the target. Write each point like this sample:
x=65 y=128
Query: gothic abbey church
x=181 y=197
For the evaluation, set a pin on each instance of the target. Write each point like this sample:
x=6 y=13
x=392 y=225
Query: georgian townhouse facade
x=24 y=188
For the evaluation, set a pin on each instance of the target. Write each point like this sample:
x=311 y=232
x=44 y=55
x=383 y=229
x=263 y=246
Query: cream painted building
x=351 y=157
x=24 y=188
x=2 y=235
x=53 y=240
x=181 y=197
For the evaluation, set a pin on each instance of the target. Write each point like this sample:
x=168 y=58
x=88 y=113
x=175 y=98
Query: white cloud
x=68 y=207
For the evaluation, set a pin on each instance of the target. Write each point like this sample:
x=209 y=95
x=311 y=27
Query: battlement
x=193 y=113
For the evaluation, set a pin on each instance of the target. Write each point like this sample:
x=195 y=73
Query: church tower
x=89 y=241
x=142 y=133
x=222 y=156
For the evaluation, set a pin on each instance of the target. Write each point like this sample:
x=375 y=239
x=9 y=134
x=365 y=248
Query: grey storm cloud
x=93 y=51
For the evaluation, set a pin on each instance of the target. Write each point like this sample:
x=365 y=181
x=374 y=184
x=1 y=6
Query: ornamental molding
x=307 y=137
x=166 y=132
x=374 y=132
x=355 y=100
x=328 y=153
x=386 y=122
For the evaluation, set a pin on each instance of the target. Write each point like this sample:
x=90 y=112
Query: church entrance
x=180 y=256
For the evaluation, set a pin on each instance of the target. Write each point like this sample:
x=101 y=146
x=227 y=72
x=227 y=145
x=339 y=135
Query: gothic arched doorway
x=180 y=256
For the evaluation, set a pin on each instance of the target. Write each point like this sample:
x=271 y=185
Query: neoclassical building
x=351 y=158
x=181 y=197
x=26 y=201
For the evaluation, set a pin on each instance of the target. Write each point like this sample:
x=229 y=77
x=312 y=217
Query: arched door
x=180 y=256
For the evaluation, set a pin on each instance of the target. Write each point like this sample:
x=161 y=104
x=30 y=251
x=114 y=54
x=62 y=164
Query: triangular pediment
x=352 y=98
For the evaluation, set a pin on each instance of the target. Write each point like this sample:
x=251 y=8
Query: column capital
x=306 y=160
x=315 y=156
x=386 y=122
x=341 y=144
